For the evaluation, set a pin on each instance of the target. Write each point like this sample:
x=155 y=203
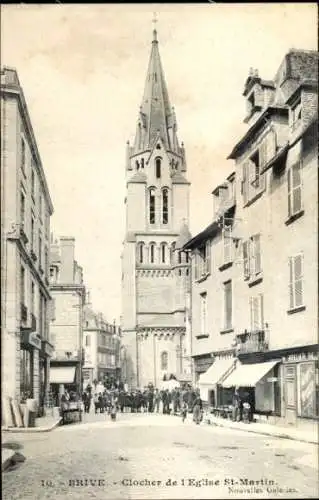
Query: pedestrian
x=197 y=409
x=184 y=412
x=237 y=404
x=96 y=402
x=157 y=400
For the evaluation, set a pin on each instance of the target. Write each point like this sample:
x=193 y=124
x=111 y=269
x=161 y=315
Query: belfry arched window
x=158 y=167
x=163 y=253
x=152 y=205
x=165 y=206
x=173 y=252
x=140 y=252
x=152 y=253
x=164 y=360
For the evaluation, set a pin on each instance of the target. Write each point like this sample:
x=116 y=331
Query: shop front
x=30 y=345
x=257 y=385
x=45 y=355
x=300 y=386
x=209 y=382
x=64 y=377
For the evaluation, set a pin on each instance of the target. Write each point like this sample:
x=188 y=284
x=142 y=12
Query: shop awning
x=217 y=372
x=62 y=374
x=248 y=375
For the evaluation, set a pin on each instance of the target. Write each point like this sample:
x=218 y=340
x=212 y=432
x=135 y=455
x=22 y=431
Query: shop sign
x=301 y=356
x=34 y=340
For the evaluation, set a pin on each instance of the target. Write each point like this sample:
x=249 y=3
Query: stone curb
x=10 y=458
x=32 y=429
x=264 y=433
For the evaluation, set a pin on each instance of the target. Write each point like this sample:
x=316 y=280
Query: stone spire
x=156 y=116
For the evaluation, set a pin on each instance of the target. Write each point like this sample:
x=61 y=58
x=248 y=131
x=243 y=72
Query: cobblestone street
x=157 y=456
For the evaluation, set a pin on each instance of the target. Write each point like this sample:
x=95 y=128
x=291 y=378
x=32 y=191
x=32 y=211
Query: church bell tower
x=155 y=273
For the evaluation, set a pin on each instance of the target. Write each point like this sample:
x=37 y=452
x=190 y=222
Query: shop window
x=26 y=374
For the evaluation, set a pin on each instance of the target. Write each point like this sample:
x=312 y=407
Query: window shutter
x=244 y=182
x=257 y=254
x=252 y=256
x=296 y=187
x=291 y=282
x=208 y=256
x=298 y=285
x=271 y=145
x=246 y=259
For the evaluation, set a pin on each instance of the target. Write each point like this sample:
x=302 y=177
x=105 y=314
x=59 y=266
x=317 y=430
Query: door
x=290 y=388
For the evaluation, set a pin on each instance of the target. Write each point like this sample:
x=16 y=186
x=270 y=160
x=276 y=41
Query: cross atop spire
x=154 y=21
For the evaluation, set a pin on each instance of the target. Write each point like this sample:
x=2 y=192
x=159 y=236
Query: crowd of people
x=175 y=401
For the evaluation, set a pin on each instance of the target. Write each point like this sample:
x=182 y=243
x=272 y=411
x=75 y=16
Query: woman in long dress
x=197 y=409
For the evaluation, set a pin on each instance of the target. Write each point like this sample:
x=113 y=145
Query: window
x=255 y=258
x=186 y=257
x=203 y=313
x=26 y=374
x=142 y=163
x=296 y=114
x=152 y=253
x=152 y=205
x=164 y=360
x=203 y=259
x=32 y=182
x=140 y=252
x=158 y=165
x=294 y=189
x=256 y=169
x=40 y=249
x=172 y=252
x=253 y=182
x=179 y=257
x=163 y=253
x=252 y=257
x=32 y=231
x=296 y=281
x=22 y=208
x=227 y=244
x=46 y=262
x=87 y=340
x=32 y=297
x=256 y=308
x=228 y=305
x=165 y=206
x=22 y=285
x=40 y=206
x=23 y=154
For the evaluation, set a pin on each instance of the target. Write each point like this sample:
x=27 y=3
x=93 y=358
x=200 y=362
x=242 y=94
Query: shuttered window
x=228 y=306
x=227 y=244
x=294 y=189
x=296 y=281
x=246 y=259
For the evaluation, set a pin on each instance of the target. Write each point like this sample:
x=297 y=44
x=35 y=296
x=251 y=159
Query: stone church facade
x=155 y=274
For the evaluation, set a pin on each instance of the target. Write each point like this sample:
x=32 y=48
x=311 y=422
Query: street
x=157 y=456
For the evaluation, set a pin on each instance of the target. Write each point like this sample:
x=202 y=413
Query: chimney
x=67 y=259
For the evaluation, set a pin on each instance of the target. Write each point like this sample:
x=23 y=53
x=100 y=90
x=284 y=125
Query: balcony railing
x=254 y=341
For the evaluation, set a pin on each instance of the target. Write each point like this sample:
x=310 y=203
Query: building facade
x=66 y=327
x=26 y=208
x=101 y=345
x=271 y=288
x=155 y=275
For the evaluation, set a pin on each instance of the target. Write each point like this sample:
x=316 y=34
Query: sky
x=82 y=69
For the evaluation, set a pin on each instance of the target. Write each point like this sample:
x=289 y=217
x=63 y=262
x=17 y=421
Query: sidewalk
x=306 y=436
x=42 y=424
